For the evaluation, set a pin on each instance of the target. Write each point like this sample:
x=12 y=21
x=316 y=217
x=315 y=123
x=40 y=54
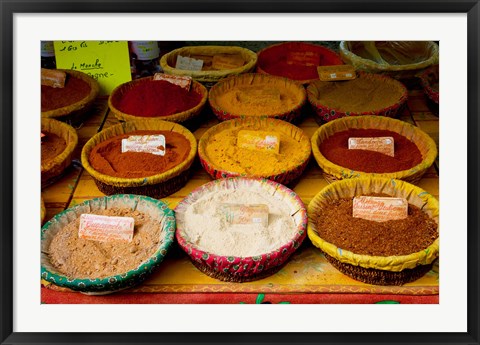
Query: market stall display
x=430 y=83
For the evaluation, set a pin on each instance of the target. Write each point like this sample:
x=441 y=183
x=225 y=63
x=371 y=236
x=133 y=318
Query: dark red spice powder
x=274 y=60
x=153 y=98
x=335 y=149
x=75 y=90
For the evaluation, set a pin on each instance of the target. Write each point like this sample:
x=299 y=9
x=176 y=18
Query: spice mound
x=363 y=94
x=257 y=100
x=335 y=224
x=335 y=149
x=222 y=151
x=107 y=157
x=207 y=227
x=52 y=146
x=75 y=90
x=154 y=98
x=81 y=258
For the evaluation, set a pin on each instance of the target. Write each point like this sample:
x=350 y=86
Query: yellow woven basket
x=168 y=62
x=382 y=270
x=333 y=172
x=75 y=113
x=183 y=117
x=53 y=168
x=156 y=186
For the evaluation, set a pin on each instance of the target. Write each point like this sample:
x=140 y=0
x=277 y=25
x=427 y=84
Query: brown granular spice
x=75 y=90
x=335 y=224
x=52 y=146
x=80 y=258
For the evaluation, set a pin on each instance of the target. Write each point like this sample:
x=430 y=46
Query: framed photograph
x=50 y=312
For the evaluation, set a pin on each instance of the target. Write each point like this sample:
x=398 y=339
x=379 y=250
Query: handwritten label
x=182 y=81
x=380 y=209
x=227 y=61
x=106 y=228
x=53 y=78
x=258 y=140
x=207 y=59
x=336 y=73
x=154 y=144
x=383 y=145
x=187 y=63
x=108 y=62
x=303 y=58
x=145 y=50
x=245 y=214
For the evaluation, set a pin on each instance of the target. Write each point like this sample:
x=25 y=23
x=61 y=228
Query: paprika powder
x=335 y=149
x=154 y=98
x=107 y=157
x=75 y=90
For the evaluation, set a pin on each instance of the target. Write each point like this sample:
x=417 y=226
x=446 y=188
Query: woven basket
x=75 y=113
x=270 y=82
x=43 y=211
x=406 y=58
x=54 y=168
x=209 y=78
x=100 y=286
x=326 y=113
x=427 y=79
x=333 y=172
x=156 y=186
x=285 y=176
x=242 y=269
x=183 y=117
x=279 y=52
x=379 y=270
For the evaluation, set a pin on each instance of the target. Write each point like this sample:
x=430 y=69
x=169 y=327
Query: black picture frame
x=10 y=7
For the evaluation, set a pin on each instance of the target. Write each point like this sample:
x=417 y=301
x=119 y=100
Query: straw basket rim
x=83 y=103
x=427 y=87
x=66 y=154
x=130 y=126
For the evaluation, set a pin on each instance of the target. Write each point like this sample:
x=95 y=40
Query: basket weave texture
x=333 y=172
x=253 y=123
x=168 y=61
x=365 y=186
x=248 y=79
x=75 y=113
x=181 y=117
x=426 y=78
x=156 y=186
x=55 y=167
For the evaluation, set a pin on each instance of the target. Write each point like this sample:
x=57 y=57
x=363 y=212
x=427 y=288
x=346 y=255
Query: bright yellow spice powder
x=222 y=151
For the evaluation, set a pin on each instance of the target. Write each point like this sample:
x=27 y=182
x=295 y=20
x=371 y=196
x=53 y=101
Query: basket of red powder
x=375 y=247
x=368 y=94
x=430 y=82
x=149 y=157
x=72 y=102
x=257 y=95
x=146 y=98
x=59 y=140
x=386 y=148
x=240 y=229
x=296 y=60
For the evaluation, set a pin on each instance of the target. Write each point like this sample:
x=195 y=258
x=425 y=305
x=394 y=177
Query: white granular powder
x=206 y=226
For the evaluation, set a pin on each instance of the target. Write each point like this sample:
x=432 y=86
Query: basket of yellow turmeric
x=257 y=95
x=255 y=147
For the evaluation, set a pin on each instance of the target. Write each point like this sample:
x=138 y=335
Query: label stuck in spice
x=303 y=58
x=189 y=64
x=245 y=214
x=258 y=140
x=227 y=61
x=53 y=78
x=154 y=144
x=182 y=81
x=336 y=73
x=380 y=209
x=106 y=228
x=383 y=145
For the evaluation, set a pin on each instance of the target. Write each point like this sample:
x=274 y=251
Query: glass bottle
x=47 y=55
x=144 y=57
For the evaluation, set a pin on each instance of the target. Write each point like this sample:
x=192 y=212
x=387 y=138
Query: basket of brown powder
x=376 y=230
x=72 y=101
x=372 y=146
x=240 y=229
x=367 y=94
x=58 y=141
x=106 y=244
x=152 y=158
